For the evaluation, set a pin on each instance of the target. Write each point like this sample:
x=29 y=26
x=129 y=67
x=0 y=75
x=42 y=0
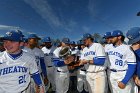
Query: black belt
x=62 y=71
x=113 y=70
x=50 y=66
x=83 y=70
x=58 y=71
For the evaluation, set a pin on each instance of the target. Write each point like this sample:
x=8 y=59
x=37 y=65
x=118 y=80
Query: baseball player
x=134 y=39
x=107 y=36
x=48 y=50
x=39 y=55
x=122 y=64
x=82 y=86
x=62 y=72
x=73 y=71
x=17 y=66
x=1 y=47
x=93 y=57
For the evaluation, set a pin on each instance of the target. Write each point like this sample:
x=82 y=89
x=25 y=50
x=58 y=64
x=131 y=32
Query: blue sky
x=68 y=18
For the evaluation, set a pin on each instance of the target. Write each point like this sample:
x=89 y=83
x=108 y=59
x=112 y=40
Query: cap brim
x=134 y=40
x=47 y=41
x=8 y=38
x=107 y=37
x=84 y=38
x=116 y=35
x=35 y=37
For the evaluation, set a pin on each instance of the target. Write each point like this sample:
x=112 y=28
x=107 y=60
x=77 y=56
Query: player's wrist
x=66 y=62
x=90 y=61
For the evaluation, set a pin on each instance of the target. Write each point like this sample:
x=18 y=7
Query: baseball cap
x=66 y=40
x=107 y=35
x=133 y=35
x=18 y=31
x=13 y=36
x=72 y=43
x=25 y=39
x=86 y=36
x=46 y=39
x=80 y=42
x=117 y=33
x=103 y=41
x=33 y=36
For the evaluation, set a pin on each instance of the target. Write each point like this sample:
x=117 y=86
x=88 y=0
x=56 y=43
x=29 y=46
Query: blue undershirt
x=58 y=63
x=137 y=53
x=36 y=77
x=98 y=61
x=129 y=74
x=43 y=66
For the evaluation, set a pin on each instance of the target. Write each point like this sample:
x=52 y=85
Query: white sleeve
x=130 y=56
x=100 y=52
x=82 y=54
x=41 y=54
x=33 y=65
x=56 y=53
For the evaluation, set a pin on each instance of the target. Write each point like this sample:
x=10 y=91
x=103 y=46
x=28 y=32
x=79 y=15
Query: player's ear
x=120 y=37
x=21 y=43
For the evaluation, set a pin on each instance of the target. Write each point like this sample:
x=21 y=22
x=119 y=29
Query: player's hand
x=45 y=81
x=71 y=67
x=69 y=60
x=42 y=89
x=37 y=89
x=121 y=85
x=82 y=62
x=137 y=81
x=135 y=46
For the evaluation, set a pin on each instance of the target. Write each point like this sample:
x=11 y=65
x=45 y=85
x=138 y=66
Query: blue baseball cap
x=25 y=39
x=33 y=36
x=86 y=36
x=66 y=40
x=103 y=41
x=117 y=33
x=58 y=43
x=20 y=32
x=46 y=39
x=80 y=42
x=72 y=43
x=13 y=36
x=133 y=35
x=107 y=35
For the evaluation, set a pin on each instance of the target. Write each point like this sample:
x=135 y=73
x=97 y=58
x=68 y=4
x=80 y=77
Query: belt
x=83 y=70
x=113 y=70
x=58 y=71
x=62 y=71
x=95 y=71
x=50 y=66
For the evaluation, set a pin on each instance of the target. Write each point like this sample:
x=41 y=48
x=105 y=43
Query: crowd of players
x=108 y=67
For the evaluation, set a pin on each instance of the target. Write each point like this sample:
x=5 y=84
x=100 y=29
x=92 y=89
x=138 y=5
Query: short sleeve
x=130 y=56
x=33 y=65
x=100 y=51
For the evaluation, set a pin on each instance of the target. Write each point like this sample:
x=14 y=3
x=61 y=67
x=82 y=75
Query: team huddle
x=85 y=66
